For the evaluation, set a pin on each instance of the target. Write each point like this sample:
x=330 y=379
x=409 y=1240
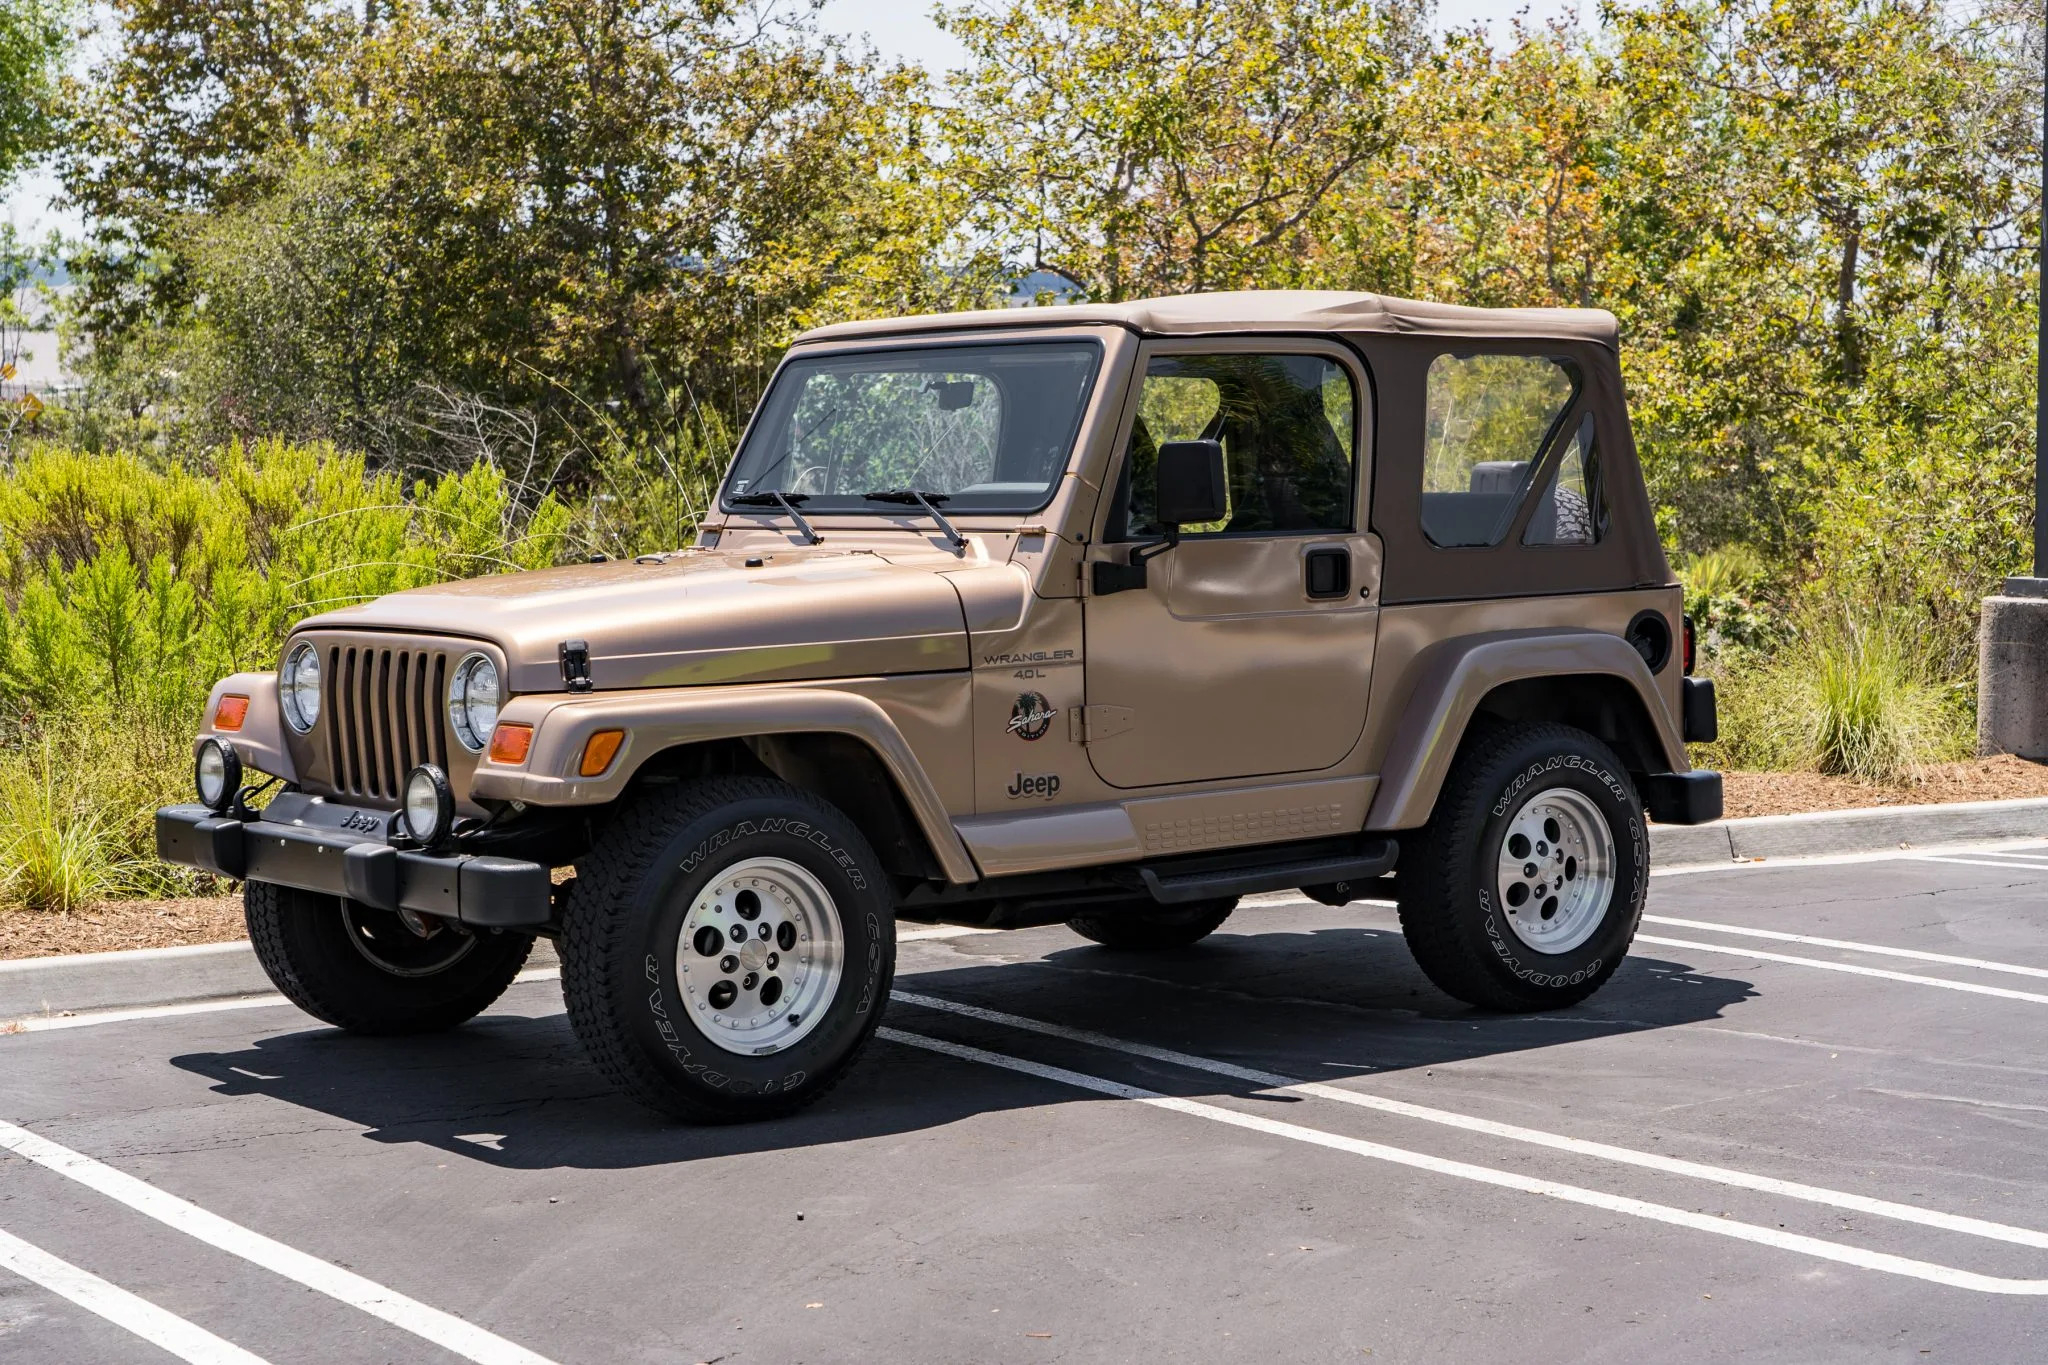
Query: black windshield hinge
x=575 y=656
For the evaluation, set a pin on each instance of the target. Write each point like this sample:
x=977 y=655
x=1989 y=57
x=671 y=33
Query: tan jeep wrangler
x=1103 y=615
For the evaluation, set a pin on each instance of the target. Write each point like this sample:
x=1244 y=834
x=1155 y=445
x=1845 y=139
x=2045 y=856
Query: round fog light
x=429 y=804
x=216 y=773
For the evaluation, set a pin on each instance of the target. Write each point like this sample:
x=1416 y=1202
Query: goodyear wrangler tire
x=370 y=972
x=727 y=949
x=1527 y=884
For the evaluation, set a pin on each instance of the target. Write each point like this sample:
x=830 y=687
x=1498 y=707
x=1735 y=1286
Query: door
x=1248 y=648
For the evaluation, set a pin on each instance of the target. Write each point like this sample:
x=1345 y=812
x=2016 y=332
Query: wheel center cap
x=754 y=955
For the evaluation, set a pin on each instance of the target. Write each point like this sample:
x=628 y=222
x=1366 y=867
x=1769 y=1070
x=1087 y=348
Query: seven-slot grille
x=386 y=713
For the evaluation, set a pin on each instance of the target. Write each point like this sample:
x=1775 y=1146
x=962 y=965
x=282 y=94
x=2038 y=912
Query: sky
x=897 y=29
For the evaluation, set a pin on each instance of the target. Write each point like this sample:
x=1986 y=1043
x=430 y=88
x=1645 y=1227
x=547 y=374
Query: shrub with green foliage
x=130 y=587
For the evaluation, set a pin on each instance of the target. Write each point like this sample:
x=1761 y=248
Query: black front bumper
x=315 y=845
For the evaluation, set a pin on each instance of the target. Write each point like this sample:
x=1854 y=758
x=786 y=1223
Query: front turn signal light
x=231 y=712
x=599 y=751
x=509 y=743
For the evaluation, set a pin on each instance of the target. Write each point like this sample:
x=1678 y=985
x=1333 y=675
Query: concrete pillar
x=2012 y=671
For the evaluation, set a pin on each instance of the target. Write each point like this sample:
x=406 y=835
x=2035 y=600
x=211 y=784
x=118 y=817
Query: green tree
x=1173 y=145
x=630 y=202
x=34 y=36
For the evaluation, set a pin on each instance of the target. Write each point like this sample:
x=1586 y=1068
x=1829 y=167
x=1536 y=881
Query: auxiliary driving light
x=429 y=804
x=217 y=773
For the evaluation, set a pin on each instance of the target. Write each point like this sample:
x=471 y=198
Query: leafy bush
x=1731 y=571
x=1722 y=588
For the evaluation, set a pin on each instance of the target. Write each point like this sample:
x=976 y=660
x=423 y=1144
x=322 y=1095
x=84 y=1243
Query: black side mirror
x=1191 y=484
x=1191 y=491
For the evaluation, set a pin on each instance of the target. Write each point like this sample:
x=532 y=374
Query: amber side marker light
x=509 y=743
x=231 y=712
x=599 y=751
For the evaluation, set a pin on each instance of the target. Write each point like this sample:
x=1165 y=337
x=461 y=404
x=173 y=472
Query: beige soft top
x=1264 y=310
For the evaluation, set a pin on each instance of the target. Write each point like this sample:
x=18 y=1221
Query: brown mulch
x=1977 y=779
x=112 y=925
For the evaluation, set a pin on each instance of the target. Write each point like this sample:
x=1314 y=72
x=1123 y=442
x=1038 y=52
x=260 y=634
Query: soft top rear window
x=1488 y=420
x=987 y=428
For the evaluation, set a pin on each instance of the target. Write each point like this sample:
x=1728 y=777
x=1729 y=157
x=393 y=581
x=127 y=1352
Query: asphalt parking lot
x=1804 y=1122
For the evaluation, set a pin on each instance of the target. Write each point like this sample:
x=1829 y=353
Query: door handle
x=1326 y=573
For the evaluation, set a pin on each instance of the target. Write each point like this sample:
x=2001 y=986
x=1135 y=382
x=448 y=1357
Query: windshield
x=986 y=428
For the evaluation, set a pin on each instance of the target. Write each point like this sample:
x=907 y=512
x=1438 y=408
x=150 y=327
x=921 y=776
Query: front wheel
x=1525 y=888
x=376 y=971
x=727 y=949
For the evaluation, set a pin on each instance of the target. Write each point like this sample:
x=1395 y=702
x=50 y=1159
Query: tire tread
x=1451 y=953
x=606 y=880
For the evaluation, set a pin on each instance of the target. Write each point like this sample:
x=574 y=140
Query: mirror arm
x=1111 y=577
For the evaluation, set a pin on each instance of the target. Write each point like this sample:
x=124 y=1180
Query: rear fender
x=1453 y=681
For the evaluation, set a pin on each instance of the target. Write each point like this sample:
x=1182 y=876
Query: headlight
x=429 y=804
x=298 y=688
x=217 y=774
x=473 y=701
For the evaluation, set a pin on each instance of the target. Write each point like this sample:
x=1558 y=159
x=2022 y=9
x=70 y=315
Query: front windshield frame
x=771 y=416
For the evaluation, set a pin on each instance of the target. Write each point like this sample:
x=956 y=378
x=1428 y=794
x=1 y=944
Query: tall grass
x=1851 y=692
x=68 y=838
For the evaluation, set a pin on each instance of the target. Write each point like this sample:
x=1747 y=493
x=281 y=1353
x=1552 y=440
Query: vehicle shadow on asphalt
x=1319 y=1005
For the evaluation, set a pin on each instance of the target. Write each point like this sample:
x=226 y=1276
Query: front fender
x=1453 y=678
x=260 y=742
x=659 y=719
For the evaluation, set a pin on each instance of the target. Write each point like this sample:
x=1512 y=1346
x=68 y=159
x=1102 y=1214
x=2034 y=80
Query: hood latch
x=575 y=657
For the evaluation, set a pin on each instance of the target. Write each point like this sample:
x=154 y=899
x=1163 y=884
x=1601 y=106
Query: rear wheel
x=1525 y=888
x=1147 y=924
x=376 y=971
x=727 y=949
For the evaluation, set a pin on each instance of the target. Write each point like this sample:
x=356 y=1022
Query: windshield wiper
x=911 y=497
x=787 y=502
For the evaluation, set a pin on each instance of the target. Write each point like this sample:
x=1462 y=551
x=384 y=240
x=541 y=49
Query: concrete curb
x=1867 y=830
x=146 y=977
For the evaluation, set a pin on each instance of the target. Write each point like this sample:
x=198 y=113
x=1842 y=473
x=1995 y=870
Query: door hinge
x=1085 y=724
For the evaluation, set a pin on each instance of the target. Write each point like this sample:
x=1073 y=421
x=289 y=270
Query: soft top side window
x=1487 y=421
x=1286 y=423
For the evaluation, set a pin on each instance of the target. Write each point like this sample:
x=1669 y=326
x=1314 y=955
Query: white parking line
x=1993 y=848
x=1850 y=945
x=2008 y=864
x=1486 y=1175
x=1738 y=950
x=157 y=1326
x=2036 y=855
x=44 y=1023
x=1720 y=1175
x=431 y=1324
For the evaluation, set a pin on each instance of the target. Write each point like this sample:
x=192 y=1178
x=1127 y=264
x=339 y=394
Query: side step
x=1375 y=860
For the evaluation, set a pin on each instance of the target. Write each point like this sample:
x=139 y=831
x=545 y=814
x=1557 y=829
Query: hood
x=698 y=616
